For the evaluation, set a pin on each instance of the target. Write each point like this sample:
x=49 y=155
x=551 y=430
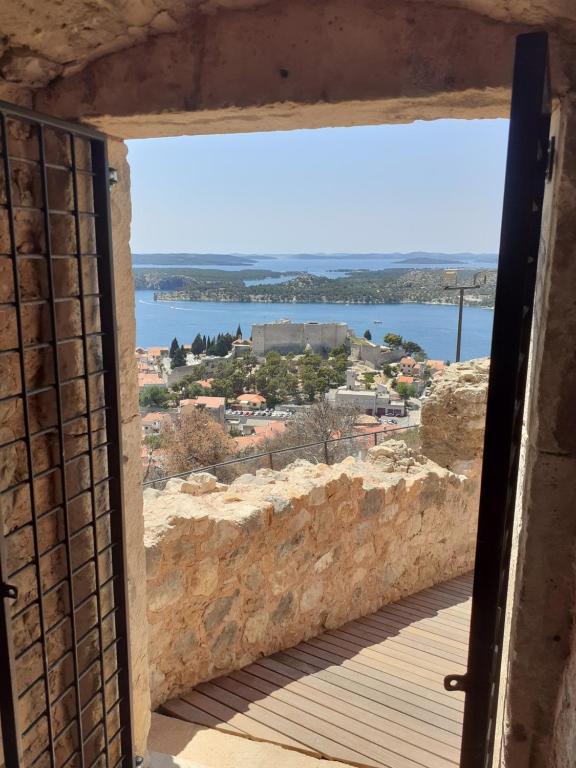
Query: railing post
x=270 y=460
x=326 y=458
x=375 y=438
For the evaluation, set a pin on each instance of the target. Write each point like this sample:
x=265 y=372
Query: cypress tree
x=173 y=347
x=197 y=345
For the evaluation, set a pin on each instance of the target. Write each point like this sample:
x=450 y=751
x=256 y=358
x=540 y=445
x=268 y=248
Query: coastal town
x=220 y=399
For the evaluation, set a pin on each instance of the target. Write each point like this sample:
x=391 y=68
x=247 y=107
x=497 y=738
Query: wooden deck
x=369 y=693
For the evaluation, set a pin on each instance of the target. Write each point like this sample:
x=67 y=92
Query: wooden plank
x=366 y=635
x=361 y=747
x=409 y=615
x=398 y=699
x=184 y=711
x=414 y=619
x=434 y=605
x=275 y=672
x=427 y=679
x=414 y=612
x=369 y=693
x=420 y=659
x=441 y=597
x=280 y=718
x=401 y=687
x=359 y=720
x=424 y=639
x=425 y=718
x=247 y=725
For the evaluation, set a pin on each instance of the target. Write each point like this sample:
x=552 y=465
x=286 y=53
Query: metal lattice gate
x=64 y=661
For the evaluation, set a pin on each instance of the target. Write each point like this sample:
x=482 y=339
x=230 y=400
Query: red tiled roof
x=150 y=418
x=260 y=434
x=251 y=397
x=146 y=379
x=405 y=379
x=209 y=402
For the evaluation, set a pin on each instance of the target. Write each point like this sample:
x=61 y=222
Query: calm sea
x=432 y=326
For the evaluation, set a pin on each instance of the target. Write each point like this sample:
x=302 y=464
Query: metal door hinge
x=550 y=157
x=455 y=682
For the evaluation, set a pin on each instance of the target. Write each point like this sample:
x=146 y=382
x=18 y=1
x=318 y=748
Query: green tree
x=368 y=379
x=197 y=345
x=387 y=370
x=153 y=442
x=238 y=332
x=178 y=359
x=233 y=377
x=367 y=334
x=393 y=340
x=221 y=348
x=154 y=395
x=192 y=389
x=406 y=391
x=173 y=347
x=414 y=349
x=342 y=351
x=277 y=379
x=316 y=375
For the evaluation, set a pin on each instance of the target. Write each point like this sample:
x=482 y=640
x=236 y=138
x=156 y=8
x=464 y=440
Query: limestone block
x=174 y=485
x=198 y=484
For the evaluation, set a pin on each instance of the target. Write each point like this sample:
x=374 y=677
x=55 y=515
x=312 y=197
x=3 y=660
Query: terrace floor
x=367 y=694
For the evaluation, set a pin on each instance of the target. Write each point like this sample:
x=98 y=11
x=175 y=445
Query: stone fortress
x=285 y=337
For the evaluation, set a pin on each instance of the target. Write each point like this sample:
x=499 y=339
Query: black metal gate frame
x=530 y=155
x=12 y=729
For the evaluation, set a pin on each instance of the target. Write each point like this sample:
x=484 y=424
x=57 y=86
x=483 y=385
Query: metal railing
x=268 y=456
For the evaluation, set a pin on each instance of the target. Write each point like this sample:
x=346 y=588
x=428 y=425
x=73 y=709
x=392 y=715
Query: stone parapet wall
x=454 y=416
x=239 y=571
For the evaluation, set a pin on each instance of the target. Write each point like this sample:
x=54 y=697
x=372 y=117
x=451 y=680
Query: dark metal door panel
x=526 y=166
x=64 y=651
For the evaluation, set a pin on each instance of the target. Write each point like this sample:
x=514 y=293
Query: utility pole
x=452 y=275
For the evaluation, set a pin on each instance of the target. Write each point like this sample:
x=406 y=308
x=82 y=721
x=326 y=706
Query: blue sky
x=426 y=186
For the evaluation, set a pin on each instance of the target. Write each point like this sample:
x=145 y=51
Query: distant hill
x=204 y=259
x=248 y=259
x=428 y=260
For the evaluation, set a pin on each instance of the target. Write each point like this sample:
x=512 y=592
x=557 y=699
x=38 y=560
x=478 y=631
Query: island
x=386 y=286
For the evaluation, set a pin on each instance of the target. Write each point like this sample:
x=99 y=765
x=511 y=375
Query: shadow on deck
x=368 y=694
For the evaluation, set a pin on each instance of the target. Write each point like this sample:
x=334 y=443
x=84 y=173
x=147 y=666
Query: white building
x=369 y=401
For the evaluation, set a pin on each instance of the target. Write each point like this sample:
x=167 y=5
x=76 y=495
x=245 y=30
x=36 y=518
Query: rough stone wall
x=247 y=569
x=454 y=415
x=293 y=337
x=357 y=63
x=541 y=724
x=121 y=210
